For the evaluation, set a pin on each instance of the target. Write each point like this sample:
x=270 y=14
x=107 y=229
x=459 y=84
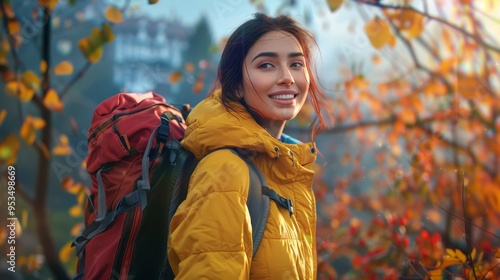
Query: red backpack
x=140 y=175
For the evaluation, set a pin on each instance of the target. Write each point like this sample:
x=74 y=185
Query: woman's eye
x=265 y=65
x=297 y=64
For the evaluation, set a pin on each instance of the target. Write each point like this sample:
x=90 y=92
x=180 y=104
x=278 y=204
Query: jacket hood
x=211 y=127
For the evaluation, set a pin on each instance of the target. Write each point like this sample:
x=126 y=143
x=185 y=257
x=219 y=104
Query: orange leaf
x=3 y=115
x=63 y=148
x=52 y=101
x=114 y=15
x=67 y=183
x=8 y=149
x=43 y=66
x=29 y=128
x=76 y=229
x=64 y=68
x=13 y=26
x=379 y=33
x=198 y=86
x=435 y=88
x=175 y=77
x=189 y=67
x=408 y=116
x=447 y=66
x=75 y=211
x=19 y=90
x=66 y=252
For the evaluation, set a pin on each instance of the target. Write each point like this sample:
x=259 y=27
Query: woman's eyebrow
x=273 y=54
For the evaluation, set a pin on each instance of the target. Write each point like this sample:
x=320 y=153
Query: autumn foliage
x=427 y=116
x=414 y=188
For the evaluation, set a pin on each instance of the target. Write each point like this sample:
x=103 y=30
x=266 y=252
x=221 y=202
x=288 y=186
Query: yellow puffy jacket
x=211 y=233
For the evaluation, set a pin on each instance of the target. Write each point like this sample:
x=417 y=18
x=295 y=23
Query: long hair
x=230 y=71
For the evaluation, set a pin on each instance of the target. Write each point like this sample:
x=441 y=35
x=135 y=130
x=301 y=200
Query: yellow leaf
x=29 y=128
x=473 y=254
x=175 y=77
x=66 y=252
x=379 y=33
x=82 y=195
x=435 y=274
x=75 y=211
x=114 y=15
x=334 y=4
x=8 y=149
x=43 y=66
x=19 y=90
x=64 y=68
x=3 y=115
x=31 y=80
x=52 y=101
x=61 y=150
x=24 y=218
x=450 y=252
x=461 y=256
x=449 y=261
x=93 y=54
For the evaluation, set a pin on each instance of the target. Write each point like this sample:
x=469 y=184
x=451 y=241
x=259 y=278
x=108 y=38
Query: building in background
x=146 y=51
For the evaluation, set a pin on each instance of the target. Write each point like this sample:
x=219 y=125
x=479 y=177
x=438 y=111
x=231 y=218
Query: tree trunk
x=42 y=183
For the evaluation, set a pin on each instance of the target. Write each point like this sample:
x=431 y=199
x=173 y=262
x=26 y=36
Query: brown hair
x=230 y=70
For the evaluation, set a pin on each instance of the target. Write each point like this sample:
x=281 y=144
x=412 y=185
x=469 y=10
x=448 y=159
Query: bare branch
x=75 y=79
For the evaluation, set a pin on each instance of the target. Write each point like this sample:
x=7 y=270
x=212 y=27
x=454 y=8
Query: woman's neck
x=275 y=128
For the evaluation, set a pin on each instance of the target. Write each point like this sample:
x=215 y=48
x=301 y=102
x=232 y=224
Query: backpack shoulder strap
x=257 y=202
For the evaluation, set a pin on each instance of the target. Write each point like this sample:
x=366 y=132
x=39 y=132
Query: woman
x=264 y=79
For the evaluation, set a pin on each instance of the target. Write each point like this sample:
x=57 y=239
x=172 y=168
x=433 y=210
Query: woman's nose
x=286 y=78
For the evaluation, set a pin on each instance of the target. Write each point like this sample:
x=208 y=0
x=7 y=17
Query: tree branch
x=75 y=79
x=440 y=20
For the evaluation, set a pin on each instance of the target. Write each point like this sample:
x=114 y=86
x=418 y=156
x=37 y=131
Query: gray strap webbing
x=257 y=202
x=101 y=197
x=144 y=184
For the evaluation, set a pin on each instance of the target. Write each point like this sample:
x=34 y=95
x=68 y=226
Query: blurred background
x=408 y=180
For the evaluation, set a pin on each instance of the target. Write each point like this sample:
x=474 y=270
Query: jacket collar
x=211 y=127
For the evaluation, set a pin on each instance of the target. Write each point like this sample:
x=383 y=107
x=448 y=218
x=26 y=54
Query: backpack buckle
x=164 y=129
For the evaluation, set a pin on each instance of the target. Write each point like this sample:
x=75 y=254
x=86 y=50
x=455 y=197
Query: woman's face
x=275 y=78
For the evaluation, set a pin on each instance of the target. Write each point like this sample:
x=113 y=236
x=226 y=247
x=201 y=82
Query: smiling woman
x=264 y=79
